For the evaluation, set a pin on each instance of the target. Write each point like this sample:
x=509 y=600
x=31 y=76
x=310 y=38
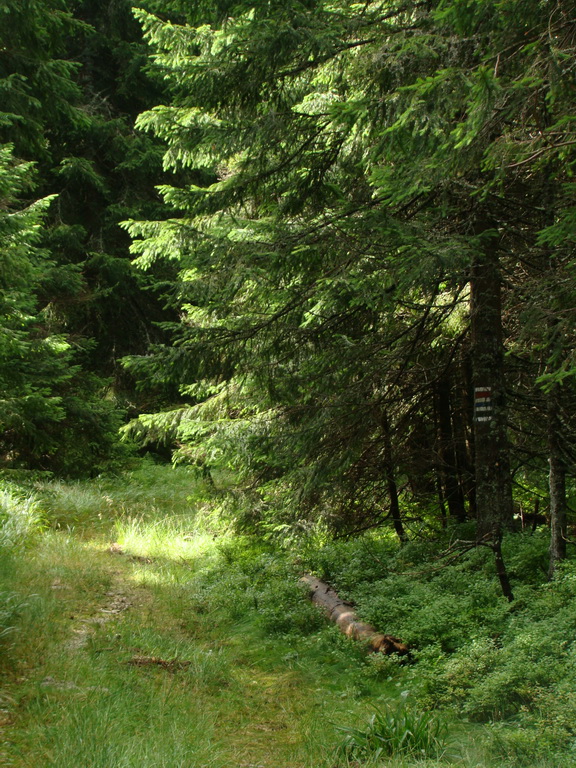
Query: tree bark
x=556 y=484
x=492 y=466
x=391 y=481
x=340 y=612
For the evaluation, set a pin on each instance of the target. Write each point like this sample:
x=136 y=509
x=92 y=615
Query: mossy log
x=342 y=613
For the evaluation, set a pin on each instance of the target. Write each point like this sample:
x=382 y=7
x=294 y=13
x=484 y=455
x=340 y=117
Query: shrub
x=394 y=732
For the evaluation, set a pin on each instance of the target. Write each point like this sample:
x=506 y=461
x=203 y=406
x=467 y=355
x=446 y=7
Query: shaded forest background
x=295 y=241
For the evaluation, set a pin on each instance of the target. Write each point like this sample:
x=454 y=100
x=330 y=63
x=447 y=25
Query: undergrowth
x=20 y=519
x=390 y=732
x=266 y=679
x=507 y=666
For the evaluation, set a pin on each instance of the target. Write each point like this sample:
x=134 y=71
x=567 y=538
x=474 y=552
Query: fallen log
x=341 y=612
x=172 y=665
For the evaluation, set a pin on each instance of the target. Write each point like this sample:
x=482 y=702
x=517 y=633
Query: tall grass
x=393 y=732
x=149 y=492
x=20 y=517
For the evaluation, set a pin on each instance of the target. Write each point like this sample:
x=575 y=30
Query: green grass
x=390 y=732
x=149 y=492
x=20 y=517
x=237 y=667
x=232 y=702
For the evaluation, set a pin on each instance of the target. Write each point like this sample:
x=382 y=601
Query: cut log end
x=389 y=644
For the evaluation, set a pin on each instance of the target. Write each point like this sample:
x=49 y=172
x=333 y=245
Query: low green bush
x=249 y=576
x=392 y=732
x=474 y=654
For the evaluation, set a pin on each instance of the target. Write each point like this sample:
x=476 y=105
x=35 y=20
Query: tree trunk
x=441 y=504
x=492 y=468
x=556 y=352
x=391 y=481
x=557 y=484
x=340 y=612
x=453 y=493
x=501 y=570
x=463 y=428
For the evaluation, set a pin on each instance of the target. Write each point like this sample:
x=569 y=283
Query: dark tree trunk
x=557 y=484
x=463 y=429
x=391 y=481
x=441 y=503
x=556 y=351
x=453 y=493
x=501 y=569
x=492 y=469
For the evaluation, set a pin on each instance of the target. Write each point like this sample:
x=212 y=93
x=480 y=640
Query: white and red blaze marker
x=482 y=403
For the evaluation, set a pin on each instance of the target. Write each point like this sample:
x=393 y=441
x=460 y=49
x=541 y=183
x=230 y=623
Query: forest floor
x=124 y=673
x=128 y=655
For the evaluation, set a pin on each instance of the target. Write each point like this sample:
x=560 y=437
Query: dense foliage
x=368 y=217
x=323 y=252
x=73 y=79
x=374 y=223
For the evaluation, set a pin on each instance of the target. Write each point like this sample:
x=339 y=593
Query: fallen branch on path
x=340 y=612
x=172 y=665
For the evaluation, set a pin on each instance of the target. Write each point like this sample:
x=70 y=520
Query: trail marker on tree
x=482 y=403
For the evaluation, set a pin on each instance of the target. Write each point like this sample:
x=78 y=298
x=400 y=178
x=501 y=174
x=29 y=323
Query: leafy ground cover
x=140 y=630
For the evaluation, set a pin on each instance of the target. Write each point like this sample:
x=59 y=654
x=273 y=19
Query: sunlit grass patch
x=148 y=492
x=20 y=517
x=178 y=538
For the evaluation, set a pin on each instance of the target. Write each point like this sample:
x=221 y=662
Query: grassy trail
x=149 y=636
x=97 y=686
x=138 y=631
x=131 y=656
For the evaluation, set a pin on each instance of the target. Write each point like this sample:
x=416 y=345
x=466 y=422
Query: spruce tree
x=33 y=365
x=73 y=79
x=293 y=267
x=354 y=227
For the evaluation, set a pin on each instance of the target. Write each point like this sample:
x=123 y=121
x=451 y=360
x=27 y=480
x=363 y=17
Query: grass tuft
x=20 y=517
x=393 y=732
